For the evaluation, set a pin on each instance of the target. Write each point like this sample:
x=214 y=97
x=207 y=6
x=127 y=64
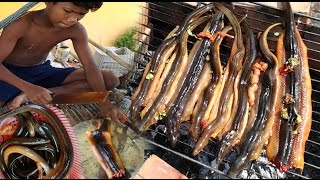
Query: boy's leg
x=76 y=82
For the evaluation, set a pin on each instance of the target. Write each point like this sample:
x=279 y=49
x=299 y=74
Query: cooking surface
x=162 y=18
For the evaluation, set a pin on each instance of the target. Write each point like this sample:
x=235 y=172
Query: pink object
x=156 y=168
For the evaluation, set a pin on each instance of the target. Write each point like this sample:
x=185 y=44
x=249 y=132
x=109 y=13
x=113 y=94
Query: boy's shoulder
x=23 y=21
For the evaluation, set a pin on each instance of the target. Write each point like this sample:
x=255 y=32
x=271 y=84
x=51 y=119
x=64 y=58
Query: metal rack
x=161 y=17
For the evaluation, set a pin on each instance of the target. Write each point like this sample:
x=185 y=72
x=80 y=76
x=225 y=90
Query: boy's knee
x=114 y=82
x=111 y=80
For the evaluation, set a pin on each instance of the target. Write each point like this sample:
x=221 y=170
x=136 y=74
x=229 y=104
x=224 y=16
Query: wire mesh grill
x=162 y=17
x=157 y=20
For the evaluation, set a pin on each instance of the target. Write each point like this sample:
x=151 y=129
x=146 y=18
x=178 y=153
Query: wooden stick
x=112 y=55
x=73 y=54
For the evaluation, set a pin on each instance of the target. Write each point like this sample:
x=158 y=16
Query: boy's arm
x=93 y=73
x=8 y=40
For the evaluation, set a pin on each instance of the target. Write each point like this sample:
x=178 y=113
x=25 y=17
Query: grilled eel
x=287 y=144
x=172 y=82
x=296 y=111
x=136 y=105
x=273 y=141
x=101 y=144
x=296 y=159
x=159 y=84
x=259 y=133
x=147 y=68
x=174 y=112
x=188 y=81
x=201 y=114
x=274 y=76
x=164 y=75
x=240 y=116
x=235 y=64
x=247 y=145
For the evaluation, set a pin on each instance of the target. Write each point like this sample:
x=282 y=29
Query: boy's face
x=64 y=14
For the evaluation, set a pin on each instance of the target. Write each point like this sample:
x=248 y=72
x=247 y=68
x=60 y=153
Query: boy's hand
x=36 y=94
x=39 y=95
x=109 y=110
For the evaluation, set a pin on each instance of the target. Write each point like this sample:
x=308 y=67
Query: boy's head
x=93 y=6
x=66 y=14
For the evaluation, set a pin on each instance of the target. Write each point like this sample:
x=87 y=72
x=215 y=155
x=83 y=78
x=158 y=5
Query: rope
x=17 y=14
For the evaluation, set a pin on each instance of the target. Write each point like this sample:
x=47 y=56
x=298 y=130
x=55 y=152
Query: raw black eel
x=65 y=145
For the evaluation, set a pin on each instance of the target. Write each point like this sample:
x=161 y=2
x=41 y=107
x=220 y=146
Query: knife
x=79 y=98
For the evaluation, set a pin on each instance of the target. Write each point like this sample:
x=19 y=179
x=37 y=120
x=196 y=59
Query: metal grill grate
x=159 y=18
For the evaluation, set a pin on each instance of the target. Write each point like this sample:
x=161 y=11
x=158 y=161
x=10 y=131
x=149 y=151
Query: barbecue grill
x=157 y=20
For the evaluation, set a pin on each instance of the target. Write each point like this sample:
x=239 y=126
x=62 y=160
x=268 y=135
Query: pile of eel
x=34 y=144
x=103 y=150
x=256 y=100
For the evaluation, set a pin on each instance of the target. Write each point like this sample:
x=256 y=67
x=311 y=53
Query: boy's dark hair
x=93 y=6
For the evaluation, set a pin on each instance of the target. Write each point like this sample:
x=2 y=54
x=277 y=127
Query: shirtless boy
x=26 y=74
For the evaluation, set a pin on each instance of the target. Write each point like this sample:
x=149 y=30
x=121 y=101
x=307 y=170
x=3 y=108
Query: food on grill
x=173 y=83
x=202 y=114
x=38 y=147
x=259 y=128
x=273 y=142
x=198 y=68
x=241 y=87
x=104 y=152
x=257 y=100
x=234 y=65
x=296 y=111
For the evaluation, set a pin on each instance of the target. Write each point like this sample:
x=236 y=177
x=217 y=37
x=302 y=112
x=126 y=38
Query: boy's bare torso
x=36 y=41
